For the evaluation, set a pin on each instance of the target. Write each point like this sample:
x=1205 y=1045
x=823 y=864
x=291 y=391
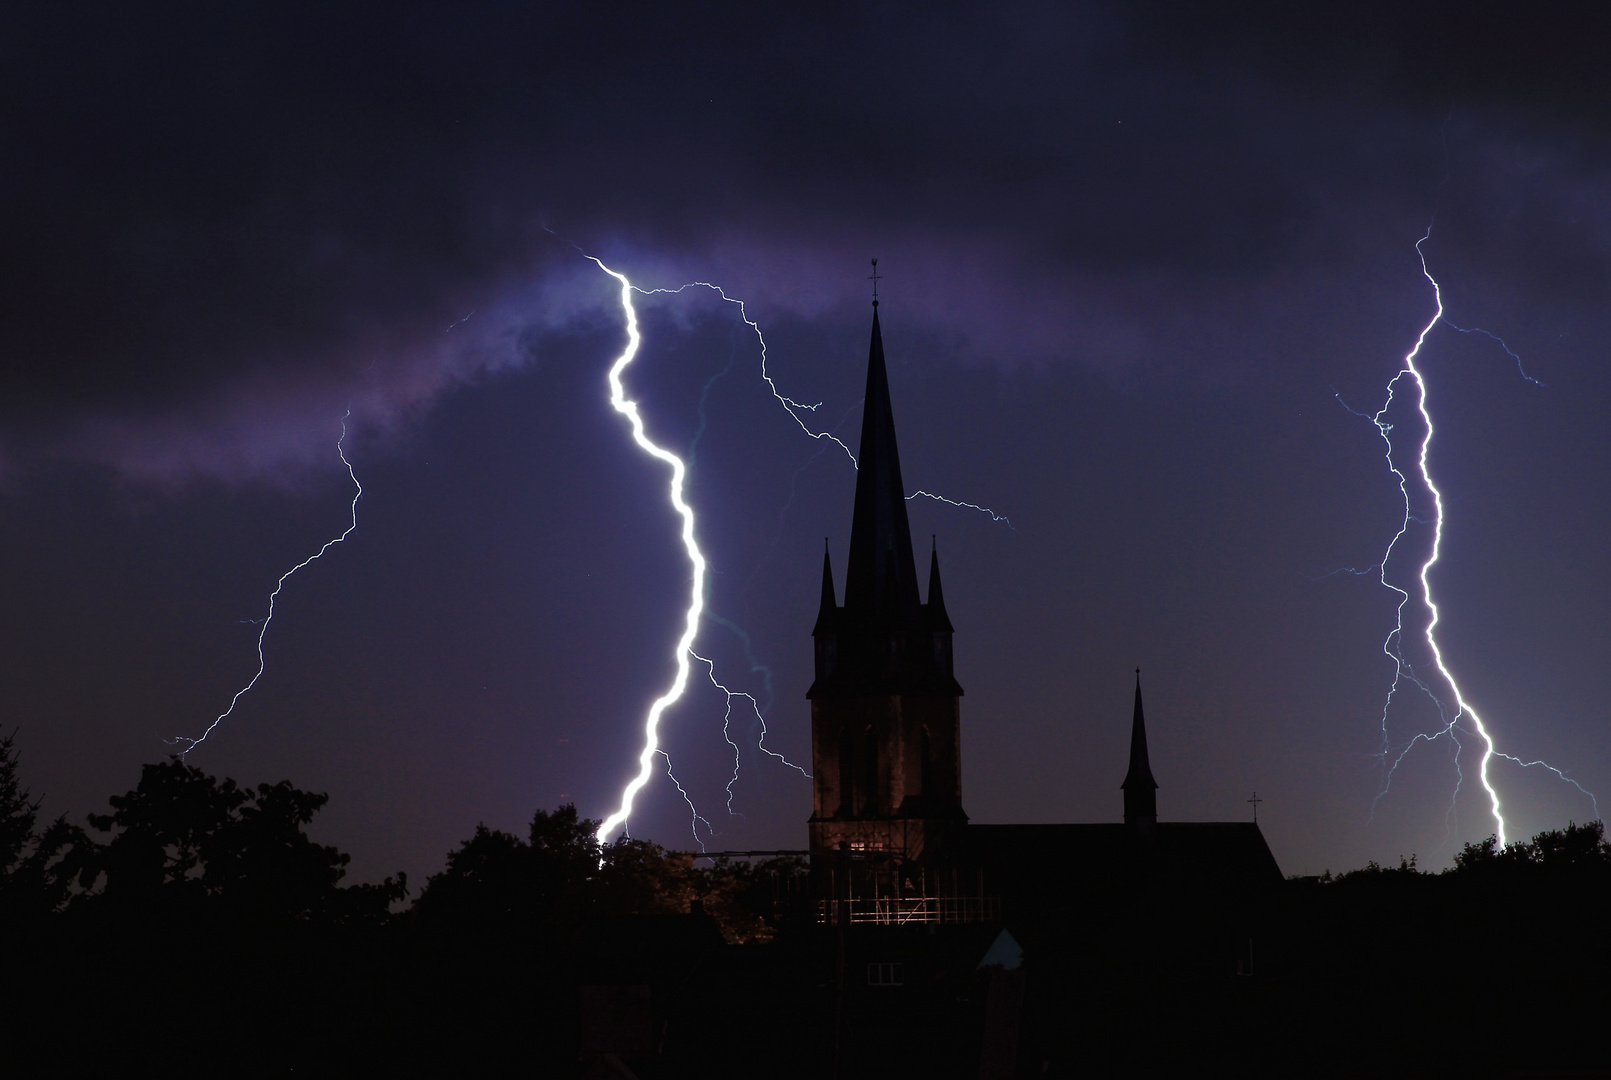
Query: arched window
x=926 y=763
x=847 y=772
x=869 y=773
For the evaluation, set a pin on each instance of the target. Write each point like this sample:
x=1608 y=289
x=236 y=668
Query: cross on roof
x=1255 y=800
x=874 y=279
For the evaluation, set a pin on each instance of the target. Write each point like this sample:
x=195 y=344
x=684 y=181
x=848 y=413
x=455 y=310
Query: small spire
x=1140 y=789
x=829 y=609
x=938 y=619
x=874 y=279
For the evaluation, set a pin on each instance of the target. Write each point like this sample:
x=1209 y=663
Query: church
x=890 y=842
x=923 y=944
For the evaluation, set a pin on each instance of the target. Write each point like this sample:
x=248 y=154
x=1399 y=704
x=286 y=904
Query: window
x=847 y=774
x=926 y=764
x=869 y=773
x=885 y=975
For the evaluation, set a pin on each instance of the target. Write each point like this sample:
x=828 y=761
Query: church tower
x=885 y=707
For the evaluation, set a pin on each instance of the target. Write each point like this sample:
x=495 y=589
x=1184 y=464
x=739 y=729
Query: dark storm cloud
x=1542 y=64
x=224 y=222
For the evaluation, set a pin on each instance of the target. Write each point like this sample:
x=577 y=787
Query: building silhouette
x=885 y=708
x=890 y=842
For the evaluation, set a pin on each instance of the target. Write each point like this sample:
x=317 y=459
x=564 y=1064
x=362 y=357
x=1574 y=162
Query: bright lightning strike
x=1393 y=646
x=696 y=596
x=262 y=663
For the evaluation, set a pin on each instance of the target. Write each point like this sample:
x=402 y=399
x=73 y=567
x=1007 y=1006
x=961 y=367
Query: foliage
x=558 y=875
x=1374 y=871
x=183 y=839
x=561 y=876
x=37 y=870
x=754 y=902
x=1575 y=853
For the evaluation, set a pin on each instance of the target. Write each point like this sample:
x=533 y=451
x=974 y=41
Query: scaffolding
x=880 y=888
x=908 y=910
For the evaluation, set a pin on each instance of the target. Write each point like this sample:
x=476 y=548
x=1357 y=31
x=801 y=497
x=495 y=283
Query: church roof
x=1071 y=860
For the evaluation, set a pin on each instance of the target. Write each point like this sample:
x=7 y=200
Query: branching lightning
x=727 y=719
x=795 y=408
x=964 y=505
x=697 y=817
x=792 y=407
x=1404 y=670
x=696 y=597
x=262 y=663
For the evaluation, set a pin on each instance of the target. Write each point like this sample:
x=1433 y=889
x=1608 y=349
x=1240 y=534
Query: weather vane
x=874 y=279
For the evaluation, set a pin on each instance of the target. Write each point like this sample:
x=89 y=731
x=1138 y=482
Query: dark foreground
x=1410 y=977
x=204 y=933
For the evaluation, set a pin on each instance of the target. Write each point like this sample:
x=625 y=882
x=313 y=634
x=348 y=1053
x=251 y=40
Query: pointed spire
x=938 y=619
x=828 y=609
x=1140 y=789
x=880 y=536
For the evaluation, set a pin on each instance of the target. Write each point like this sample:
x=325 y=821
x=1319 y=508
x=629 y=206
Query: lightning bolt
x=1410 y=377
x=696 y=596
x=262 y=663
x=696 y=558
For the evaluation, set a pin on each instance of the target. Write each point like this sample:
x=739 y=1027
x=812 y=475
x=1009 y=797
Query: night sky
x=1143 y=265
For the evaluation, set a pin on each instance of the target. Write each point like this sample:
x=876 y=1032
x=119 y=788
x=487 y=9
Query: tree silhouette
x=560 y=877
x=561 y=874
x=186 y=841
x=1576 y=854
x=37 y=870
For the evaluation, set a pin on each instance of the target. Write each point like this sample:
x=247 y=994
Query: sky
x=1147 y=272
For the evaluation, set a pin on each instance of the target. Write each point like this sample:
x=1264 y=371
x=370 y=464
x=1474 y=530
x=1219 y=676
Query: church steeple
x=884 y=640
x=828 y=607
x=886 y=744
x=880 y=536
x=1140 y=789
x=939 y=621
